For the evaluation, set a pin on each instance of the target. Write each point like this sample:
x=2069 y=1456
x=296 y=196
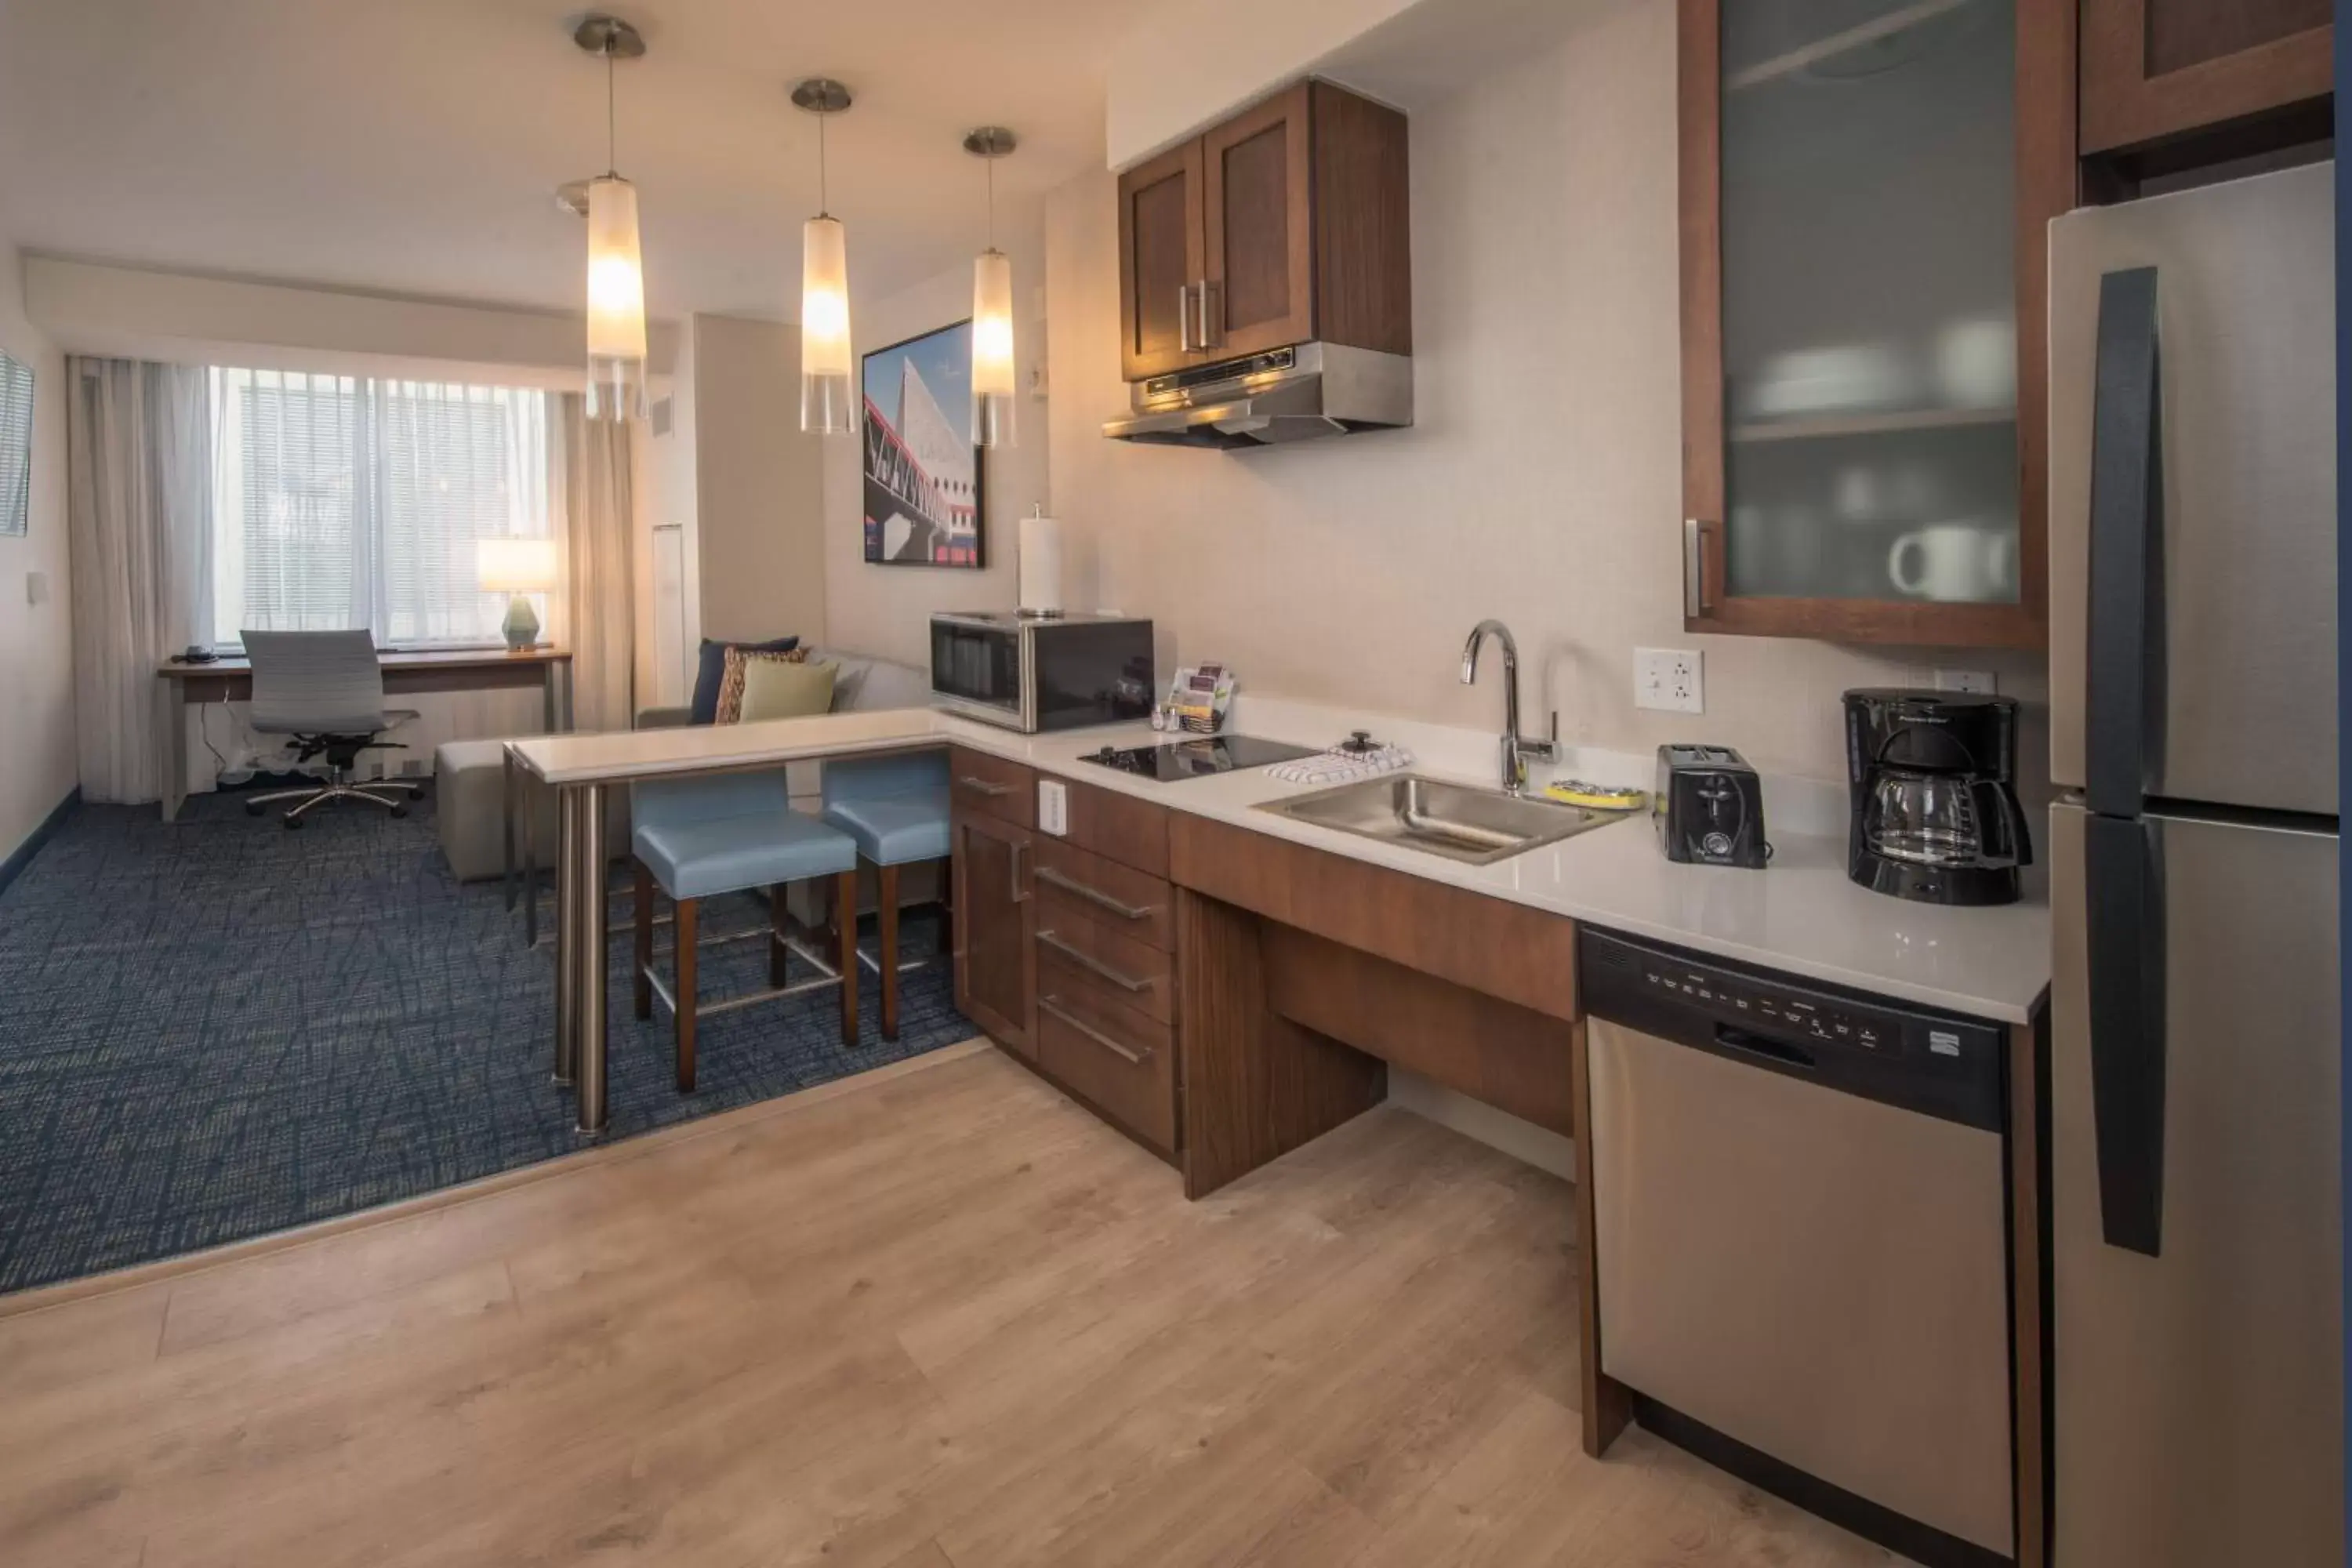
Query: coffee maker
x=1935 y=810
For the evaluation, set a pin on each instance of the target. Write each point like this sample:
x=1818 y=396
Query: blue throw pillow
x=713 y=671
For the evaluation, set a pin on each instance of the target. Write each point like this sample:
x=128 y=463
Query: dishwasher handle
x=1730 y=1037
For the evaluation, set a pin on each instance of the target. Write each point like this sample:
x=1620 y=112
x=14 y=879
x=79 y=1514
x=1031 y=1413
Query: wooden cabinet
x=1288 y=223
x=2153 y=70
x=995 y=955
x=1864 y=194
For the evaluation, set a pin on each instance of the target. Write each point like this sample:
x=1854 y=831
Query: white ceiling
x=415 y=147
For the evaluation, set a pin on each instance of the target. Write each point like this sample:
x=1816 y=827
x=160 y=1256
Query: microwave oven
x=1038 y=672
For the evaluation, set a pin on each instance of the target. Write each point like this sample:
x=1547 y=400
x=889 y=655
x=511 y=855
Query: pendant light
x=827 y=404
x=616 y=277
x=992 y=310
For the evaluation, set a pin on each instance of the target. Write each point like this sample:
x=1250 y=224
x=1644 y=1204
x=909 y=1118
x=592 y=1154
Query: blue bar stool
x=696 y=838
x=895 y=809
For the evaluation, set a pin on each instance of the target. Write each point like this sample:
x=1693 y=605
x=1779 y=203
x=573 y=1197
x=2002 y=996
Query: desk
x=580 y=768
x=178 y=686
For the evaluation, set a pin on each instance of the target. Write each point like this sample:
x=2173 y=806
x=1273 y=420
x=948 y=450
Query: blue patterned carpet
x=220 y=1028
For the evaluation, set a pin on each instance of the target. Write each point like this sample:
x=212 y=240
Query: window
x=343 y=502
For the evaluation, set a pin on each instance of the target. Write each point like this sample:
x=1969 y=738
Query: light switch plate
x=1670 y=679
x=1053 y=807
x=1965 y=680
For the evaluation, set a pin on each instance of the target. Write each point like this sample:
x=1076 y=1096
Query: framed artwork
x=923 y=504
x=15 y=442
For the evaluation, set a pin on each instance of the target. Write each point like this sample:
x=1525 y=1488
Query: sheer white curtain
x=350 y=501
x=590 y=483
x=139 y=514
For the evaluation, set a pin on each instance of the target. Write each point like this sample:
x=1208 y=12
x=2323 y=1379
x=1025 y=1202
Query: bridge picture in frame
x=922 y=471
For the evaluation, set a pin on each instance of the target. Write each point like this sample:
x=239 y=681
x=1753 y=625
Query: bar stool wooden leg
x=886 y=919
x=947 y=904
x=779 y=955
x=642 y=983
x=688 y=912
x=844 y=925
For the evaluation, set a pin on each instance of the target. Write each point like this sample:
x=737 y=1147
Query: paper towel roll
x=1040 y=565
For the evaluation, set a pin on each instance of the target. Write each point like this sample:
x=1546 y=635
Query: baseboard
x=12 y=867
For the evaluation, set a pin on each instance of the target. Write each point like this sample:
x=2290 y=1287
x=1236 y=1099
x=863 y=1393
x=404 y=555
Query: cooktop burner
x=1196 y=757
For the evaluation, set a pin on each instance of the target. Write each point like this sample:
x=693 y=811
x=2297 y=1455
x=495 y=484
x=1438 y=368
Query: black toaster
x=1709 y=808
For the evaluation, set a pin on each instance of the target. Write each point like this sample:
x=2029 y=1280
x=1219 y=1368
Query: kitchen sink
x=1477 y=827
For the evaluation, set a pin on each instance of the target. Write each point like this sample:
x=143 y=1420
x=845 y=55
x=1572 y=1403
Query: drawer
x=1004 y=790
x=1120 y=826
x=1073 y=884
x=1082 y=952
x=1120 y=1061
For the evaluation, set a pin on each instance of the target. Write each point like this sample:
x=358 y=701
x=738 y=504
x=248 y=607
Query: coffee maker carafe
x=1935 y=810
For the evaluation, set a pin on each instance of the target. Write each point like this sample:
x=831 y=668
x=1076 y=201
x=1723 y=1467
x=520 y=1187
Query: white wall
x=887 y=610
x=758 y=491
x=1540 y=484
x=38 y=760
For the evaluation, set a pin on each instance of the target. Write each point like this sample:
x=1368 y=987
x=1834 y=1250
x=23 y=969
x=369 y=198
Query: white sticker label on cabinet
x=1052 y=806
x=1943 y=1042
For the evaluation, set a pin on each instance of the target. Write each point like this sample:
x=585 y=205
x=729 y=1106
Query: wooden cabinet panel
x=1363 y=223
x=1118 y=1061
x=1073 y=884
x=1080 y=952
x=983 y=783
x=1162 y=254
x=1258 y=202
x=995 y=955
x=2156 y=69
x=1504 y=950
x=1120 y=826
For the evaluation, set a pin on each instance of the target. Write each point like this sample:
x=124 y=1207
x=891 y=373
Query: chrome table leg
x=588 y=870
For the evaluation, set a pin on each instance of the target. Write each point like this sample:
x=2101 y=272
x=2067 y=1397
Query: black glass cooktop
x=1196 y=757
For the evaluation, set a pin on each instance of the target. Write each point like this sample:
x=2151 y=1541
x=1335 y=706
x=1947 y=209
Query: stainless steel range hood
x=1260 y=400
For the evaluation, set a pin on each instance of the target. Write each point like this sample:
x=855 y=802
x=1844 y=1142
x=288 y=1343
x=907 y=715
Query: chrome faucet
x=1517 y=748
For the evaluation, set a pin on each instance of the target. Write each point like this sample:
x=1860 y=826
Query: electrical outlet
x=1964 y=680
x=1672 y=679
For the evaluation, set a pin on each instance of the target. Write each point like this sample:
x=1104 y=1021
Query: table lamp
x=518 y=568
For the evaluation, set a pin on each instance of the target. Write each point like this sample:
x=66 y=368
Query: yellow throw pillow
x=781 y=689
x=739 y=660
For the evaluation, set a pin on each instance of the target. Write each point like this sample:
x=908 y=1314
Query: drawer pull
x=978 y=786
x=1130 y=1054
x=1093 y=965
x=1095 y=896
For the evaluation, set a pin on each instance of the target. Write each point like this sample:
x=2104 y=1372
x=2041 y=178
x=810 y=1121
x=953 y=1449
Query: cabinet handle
x=982 y=786
x=1695 y=601
x=1094 y=895
x=1093 y=965
x=1053 y=1004
x=1184 y=319
x=1020 y=892
x=1210 y=337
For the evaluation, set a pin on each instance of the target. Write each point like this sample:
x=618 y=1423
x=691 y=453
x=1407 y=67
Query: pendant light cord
x=611 y=133
x=824 y=200
x=991 y=202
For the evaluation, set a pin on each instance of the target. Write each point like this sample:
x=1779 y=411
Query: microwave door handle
x=2123 y=898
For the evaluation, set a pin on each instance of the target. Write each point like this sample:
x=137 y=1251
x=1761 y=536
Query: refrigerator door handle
x=2124 y=660
x=2123 y=905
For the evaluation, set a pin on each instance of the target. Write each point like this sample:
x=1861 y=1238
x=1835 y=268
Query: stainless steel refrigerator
x=2196 y=1230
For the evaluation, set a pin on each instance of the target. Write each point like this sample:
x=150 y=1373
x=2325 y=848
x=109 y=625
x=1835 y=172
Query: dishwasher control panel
x=1939 y=1063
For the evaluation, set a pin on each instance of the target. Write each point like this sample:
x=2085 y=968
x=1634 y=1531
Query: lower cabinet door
x=1121 y=1061
x=995 y=957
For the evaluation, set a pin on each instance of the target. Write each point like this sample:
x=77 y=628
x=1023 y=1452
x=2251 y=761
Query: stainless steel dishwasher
x=1801 y=1222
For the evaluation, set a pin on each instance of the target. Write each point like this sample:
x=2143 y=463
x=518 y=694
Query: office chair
x=324 y=690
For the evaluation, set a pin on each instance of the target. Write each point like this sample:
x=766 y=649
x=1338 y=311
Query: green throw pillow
x=776 y=691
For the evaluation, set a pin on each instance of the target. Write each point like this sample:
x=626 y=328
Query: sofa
x=470 y=779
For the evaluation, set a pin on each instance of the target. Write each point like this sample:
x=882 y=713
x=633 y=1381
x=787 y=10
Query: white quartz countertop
x=1801 y=915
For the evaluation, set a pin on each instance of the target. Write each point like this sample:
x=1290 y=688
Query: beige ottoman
x=470 y=812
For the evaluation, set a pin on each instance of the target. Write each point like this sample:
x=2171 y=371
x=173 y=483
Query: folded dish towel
x=1337 y=766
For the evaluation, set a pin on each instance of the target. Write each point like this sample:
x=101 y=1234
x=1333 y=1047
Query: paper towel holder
x=1041 y=566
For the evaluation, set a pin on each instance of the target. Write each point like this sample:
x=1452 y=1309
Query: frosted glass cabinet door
x=1857 y=192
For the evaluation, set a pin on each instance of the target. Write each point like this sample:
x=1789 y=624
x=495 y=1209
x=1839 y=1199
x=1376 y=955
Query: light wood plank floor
x=944 y=1319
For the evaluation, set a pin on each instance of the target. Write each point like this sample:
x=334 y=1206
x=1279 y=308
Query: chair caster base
x=253 y=809
x=292 y=823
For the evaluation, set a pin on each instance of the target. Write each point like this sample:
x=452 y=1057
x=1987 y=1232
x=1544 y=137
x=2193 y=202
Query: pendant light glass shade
x=826 y=407
x=616 y=302
x=992 y=350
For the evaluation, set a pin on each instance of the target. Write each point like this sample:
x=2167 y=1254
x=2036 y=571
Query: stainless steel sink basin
x=1477 y=827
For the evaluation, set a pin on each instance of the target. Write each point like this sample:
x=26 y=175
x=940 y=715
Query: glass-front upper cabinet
x=1866 y=187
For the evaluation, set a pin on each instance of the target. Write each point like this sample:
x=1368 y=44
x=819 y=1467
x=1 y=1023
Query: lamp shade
x=616 y=302
x=826 y=405
x=510 y=565
x=992 y=349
